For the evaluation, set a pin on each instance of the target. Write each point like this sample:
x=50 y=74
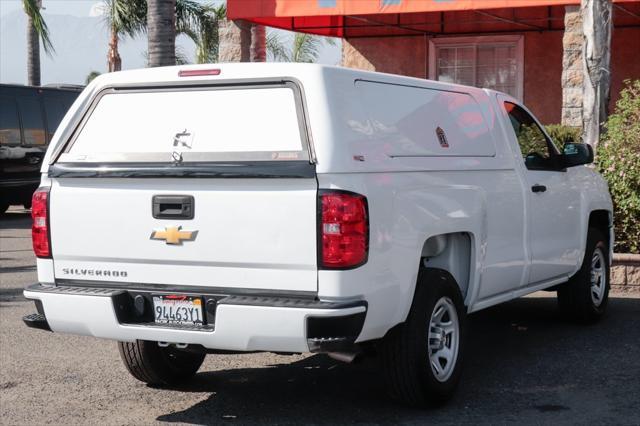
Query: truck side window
x=32 y=121
x=538 y=151
x=9 y=123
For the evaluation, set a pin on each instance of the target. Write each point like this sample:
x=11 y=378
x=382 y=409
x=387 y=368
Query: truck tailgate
x=253 y=234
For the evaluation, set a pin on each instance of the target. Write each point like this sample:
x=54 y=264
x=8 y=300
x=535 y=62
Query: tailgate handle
x=173 y=206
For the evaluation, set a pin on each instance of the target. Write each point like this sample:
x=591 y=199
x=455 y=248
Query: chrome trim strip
x=187 y=263
x=236 y=170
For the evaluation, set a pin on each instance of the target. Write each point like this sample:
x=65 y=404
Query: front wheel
x=585 y=296
x=422 y=357
x=156 y=365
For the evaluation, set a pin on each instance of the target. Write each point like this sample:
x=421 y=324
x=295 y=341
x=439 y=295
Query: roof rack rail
x=64 y=86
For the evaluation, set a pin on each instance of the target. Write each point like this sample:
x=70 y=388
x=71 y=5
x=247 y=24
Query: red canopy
x=370 y=18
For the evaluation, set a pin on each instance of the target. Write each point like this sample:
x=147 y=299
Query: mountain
x=81 y=45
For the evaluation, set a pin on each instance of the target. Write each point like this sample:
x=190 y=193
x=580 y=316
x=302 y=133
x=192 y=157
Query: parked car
x=29 y=117
x=196 y=210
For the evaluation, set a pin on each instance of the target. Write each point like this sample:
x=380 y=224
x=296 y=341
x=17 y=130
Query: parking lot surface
x=524 y=364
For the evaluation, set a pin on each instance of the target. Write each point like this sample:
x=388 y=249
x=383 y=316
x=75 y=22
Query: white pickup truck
x=304 y=208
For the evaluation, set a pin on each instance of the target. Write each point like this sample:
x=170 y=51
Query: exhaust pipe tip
x=347 y=357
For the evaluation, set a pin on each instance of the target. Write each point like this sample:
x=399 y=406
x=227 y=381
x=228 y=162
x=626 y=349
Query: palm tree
x=258 y=50
x=304 y=47
x=36 y=29
x=123 y=18
x=208 y=39
x=199 y=22
x=161 y=32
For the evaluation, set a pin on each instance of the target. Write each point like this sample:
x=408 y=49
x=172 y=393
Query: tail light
x=343 y=230
x=40 y=228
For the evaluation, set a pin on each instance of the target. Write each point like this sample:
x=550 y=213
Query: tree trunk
x=258 y=43
x=113 y=56
x=33 y=54
x=235 y=41
x=161 y=30
x=597 y=23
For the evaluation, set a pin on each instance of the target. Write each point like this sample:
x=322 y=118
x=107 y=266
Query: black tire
x=27 y=204
x=576 y=298
x=160 y=366
x=3 y=208
x=405 y=350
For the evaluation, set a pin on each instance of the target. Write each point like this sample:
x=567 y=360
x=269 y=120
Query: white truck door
x=553 y=206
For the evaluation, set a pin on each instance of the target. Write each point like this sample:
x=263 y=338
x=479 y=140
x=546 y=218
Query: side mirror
x=576 y=154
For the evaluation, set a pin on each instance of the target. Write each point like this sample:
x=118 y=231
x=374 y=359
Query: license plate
x=178 y=309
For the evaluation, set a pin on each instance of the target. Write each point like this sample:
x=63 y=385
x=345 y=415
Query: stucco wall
x=542 y=64
x=625 y=59
x=396 y=55
x=543 y=74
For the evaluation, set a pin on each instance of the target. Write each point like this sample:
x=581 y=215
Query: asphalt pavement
x=524 y=365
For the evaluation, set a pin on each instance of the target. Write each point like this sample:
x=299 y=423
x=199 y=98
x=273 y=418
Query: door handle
x=538 y=188
x=173 y=207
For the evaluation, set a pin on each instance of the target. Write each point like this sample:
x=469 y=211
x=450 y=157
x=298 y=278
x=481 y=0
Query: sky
x=78 y=8
x=80 y=40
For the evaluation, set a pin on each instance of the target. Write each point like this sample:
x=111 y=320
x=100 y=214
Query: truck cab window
x=9 y=123
x=537 y=150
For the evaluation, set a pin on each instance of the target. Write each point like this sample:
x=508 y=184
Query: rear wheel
x=422 y=357
x=585 y=296
x=156 y=365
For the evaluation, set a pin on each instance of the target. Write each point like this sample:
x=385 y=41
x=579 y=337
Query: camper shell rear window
x=246 y=122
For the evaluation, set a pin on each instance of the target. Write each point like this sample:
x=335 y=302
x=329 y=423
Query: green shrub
x=618 y=160
x=563 y=134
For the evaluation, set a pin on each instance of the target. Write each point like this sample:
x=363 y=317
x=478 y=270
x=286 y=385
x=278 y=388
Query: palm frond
x=126 y=17
x=220 y=12
x=181 y=57
x=295 y=47
x=199 y=22
x=189 y=15
x=32 y=9
x=331 y=41
x=91 y=76
x=306 y=48
x=276 y=48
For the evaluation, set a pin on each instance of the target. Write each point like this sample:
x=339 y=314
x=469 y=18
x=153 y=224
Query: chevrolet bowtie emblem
x=174 y=235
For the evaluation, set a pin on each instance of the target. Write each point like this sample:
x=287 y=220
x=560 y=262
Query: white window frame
x=518 y=40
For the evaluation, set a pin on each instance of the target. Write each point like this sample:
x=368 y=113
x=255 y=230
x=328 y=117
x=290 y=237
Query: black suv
x=28 y=118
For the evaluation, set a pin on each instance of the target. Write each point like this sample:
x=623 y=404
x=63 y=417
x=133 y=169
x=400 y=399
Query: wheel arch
x=602 y=220
x=452 y=253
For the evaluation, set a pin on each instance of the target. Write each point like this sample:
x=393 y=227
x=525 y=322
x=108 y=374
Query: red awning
x=371 y=18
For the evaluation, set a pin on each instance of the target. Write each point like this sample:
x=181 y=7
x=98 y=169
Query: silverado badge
x=174 y=235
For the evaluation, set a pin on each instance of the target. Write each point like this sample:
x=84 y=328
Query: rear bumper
x=242 y=323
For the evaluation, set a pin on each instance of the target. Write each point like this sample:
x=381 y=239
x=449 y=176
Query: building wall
x=625 y=59
x=542 y=64
x=395 y=55
x=543 y=75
